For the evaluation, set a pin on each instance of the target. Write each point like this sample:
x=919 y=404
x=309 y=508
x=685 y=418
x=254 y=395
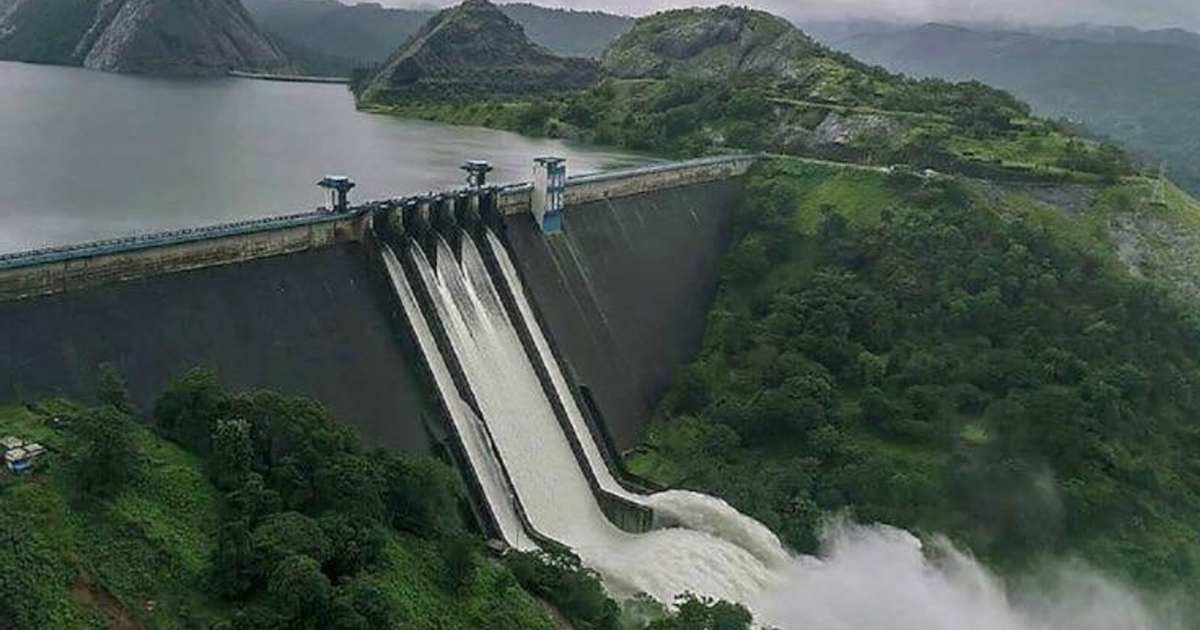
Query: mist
x=882 y=578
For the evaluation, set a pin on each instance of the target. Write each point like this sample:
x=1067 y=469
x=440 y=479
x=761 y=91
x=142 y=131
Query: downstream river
x=87 y=155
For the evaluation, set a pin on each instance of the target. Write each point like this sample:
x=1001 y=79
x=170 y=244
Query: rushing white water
x=880 y=578
x=548 y=480
x=689 y=509
x=868 y=578
x=466 y=422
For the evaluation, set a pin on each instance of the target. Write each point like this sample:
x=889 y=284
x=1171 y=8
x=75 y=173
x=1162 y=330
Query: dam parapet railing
x=69 y=268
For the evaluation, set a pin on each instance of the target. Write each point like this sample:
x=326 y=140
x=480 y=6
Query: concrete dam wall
x=624 y=291
x=316 y=323
x=302 y=305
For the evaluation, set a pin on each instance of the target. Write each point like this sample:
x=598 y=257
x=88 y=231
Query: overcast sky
x=1144 y=13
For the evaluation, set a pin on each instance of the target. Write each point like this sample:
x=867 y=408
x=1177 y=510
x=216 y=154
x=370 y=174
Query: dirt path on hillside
x=86 y=592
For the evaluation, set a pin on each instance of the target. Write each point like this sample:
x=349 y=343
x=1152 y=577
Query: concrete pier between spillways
x=299 y=304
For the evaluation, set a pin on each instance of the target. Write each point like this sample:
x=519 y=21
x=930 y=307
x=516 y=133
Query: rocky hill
x=702 y=81
x=710 y=44
x=177 y=37
x=474 y=49
x=367 y=33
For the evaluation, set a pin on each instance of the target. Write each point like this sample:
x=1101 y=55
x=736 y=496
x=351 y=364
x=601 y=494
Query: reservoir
x=87 y=155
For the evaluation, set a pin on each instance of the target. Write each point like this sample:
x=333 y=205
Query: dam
x=526 y=331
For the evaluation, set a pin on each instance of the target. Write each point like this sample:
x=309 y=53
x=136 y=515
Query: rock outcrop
x=711 y=44
x=177 y=37
x=474 y=49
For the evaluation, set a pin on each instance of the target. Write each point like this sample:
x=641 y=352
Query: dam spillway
x=472 y=346
x=554 y=489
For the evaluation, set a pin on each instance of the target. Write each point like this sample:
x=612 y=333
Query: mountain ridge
x=368 y=33
x=174 y=37
x=473 y=49
x=1141 y=94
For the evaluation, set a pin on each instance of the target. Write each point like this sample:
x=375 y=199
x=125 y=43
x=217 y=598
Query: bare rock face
x=843 y=130
x=177 y=37
x=711 y=44
x=474 y=49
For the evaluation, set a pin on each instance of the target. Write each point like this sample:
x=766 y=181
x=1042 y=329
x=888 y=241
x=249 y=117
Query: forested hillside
x=260 y=511
x=1138 y=88
x=257 y=511
x=951 y=357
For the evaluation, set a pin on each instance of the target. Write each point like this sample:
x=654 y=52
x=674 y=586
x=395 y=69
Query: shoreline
x=288 y=78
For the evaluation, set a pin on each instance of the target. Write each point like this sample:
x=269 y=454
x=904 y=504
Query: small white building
x=19 y=457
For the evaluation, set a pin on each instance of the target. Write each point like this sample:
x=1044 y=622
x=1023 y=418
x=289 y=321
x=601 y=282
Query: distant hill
x=568 y=32
x=1117 y=35
x=1124 y=84
x=367 y=33
x=710 y=44
x=182 y=37
x=474 y=48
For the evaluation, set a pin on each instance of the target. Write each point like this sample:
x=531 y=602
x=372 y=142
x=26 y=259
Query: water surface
x=87 y=155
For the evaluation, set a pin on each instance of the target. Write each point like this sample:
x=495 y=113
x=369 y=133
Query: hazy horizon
x=1153 y=14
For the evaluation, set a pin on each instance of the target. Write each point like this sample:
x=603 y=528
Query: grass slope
x=80 y=563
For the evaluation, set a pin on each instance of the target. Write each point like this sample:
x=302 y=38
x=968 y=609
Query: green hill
x=471 y=50
x=711 y=44
x=366 y=34
x=1140 y=89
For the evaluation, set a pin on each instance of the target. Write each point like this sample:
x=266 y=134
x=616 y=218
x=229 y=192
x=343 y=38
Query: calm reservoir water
x=88 y=155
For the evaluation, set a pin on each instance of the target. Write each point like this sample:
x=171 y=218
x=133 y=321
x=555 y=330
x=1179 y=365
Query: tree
x=559 y=576
x=459 y=554
x=287 y=534
x=234 y=572
x=112 y=391
x=300 y=591
x=356 y=543
x=694 y=613
x=233 y=453
x=253 y=501
x=106 y=456
x=189 y=408
x=420 y=492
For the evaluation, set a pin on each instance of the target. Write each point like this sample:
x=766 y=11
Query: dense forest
x=915 y=352
x=257 y=511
